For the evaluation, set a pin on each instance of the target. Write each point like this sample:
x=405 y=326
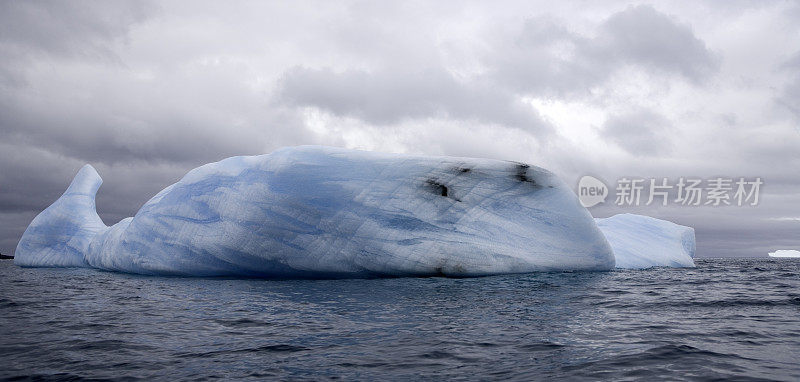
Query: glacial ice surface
x=642 y=242
x=314 y=211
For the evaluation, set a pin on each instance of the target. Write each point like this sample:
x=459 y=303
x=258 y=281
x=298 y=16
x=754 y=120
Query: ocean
x=731 y=319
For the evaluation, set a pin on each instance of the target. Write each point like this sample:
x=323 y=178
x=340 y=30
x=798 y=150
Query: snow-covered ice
x=643 y=242
x=785 y=253
x=314 y=211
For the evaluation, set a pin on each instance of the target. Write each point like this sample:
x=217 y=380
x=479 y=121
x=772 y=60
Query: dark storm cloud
x=43 y=131
x=29 y=177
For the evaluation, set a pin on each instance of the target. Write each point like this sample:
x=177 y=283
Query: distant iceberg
x=785 y=253
x=314 y=211
x=643 y=242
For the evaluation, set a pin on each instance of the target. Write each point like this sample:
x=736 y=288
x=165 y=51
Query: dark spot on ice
x=522 y=173
x=463 y=169
x=440 y=189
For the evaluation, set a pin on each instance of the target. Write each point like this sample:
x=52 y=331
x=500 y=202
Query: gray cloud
x=549 y=58
x=37 y=31
x=80 y=28
x=393 y=95
x=641 y=132
x=545 y=56
x=789 y=98
x=644 y=36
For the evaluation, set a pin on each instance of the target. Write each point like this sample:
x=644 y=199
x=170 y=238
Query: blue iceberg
x=311 y=211
x=642 y=242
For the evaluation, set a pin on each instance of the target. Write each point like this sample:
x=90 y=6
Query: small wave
x=441 y=354
x=115 y=345
x=276 y=348
x=542 y=346
x=8 y=303
x=243 y=323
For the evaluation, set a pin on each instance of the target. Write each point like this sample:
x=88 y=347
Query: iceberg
x=785 y=253
x=642 y=242
x=323 y=212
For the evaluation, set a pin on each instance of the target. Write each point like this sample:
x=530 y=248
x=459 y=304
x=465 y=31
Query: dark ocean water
x=726 y=319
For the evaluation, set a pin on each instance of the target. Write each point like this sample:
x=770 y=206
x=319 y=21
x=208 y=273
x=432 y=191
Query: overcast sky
x=147 y=91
